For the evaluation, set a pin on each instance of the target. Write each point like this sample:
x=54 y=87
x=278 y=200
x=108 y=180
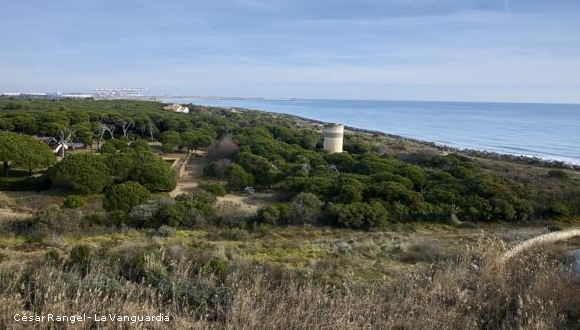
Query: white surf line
x=542 y=239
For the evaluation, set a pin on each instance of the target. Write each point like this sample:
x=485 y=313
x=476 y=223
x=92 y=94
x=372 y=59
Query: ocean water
x=548 y=131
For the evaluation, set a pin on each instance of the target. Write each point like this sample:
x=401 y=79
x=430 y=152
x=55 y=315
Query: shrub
x=80 y=254
x=124 y=196
x=270 y=214
x=82 y=173
x=95 y=218
x=197 y=195
x=52 y=256
x=73 y=202
x=237 y=177
x=153 y=173
x=56 y=220
x=228 y=214
x=359 y=215
x=108 y=148
x=209 y=302
x=170 y=215
x=426 y=251
x=168 y=147
x=558 y=174
x=306 y=208
x=165 y=231
x=81 y=257
x=215 y=189
x=142 y=214
x=217 y=168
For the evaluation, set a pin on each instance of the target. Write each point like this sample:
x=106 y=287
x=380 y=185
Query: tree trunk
x=6 y=168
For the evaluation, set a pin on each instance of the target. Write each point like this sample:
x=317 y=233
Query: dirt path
x=542 y=239
x=248 y=204
x=190 y=178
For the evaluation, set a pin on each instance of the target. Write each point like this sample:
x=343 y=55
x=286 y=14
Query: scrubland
x=415 y=276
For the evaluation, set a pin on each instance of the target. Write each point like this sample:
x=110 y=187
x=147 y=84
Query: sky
x=453 y=50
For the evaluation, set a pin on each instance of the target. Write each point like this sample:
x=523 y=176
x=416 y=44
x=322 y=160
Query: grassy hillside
x=416 y=277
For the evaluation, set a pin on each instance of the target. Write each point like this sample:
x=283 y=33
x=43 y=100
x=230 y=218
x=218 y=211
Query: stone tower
x=333 y=136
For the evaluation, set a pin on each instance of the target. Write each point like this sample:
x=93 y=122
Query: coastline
x=520 y=159
x=541 y=132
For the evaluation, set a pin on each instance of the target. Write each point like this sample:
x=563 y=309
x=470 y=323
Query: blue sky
x=462 y=50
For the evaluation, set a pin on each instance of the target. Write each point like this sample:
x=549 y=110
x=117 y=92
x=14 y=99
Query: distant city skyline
x=440 y=50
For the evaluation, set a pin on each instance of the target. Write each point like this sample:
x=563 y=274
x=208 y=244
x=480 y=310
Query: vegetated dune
x=199 y=291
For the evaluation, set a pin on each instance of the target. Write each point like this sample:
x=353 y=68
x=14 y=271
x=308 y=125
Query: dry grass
x=215 y=284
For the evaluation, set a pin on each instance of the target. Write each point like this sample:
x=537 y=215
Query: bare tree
x=225 y=147
x=97 y=133
x=125 y=125
x=151 y=127
x=334 y=168
x=107 y=128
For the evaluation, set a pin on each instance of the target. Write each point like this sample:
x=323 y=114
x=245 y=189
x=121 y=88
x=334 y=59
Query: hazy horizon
x=416 y=50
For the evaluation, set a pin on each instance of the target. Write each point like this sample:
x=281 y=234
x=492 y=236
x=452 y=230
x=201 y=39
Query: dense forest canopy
x=367 y=186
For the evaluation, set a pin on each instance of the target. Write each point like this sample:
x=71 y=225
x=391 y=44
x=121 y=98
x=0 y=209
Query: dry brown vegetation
x=278 y=279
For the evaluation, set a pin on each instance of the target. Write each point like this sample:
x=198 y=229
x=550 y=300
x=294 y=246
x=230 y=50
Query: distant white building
x=119 y=92
x=177 y=108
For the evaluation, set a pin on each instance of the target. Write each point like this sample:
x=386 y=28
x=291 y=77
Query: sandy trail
x=249 y=204
x=190 y=179
x=542 y=239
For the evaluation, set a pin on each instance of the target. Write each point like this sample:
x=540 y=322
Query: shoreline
x=486 y=154
x=426 y=122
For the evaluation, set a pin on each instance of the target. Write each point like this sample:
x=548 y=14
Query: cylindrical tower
x=333 y=136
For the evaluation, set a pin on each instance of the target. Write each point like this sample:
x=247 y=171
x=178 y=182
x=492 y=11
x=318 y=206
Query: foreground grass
x=413 y=277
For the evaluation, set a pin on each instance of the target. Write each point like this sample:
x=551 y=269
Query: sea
x=546 y=131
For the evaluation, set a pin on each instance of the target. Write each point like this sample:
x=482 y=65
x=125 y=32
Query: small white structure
x=177 y=108
x=333 y=137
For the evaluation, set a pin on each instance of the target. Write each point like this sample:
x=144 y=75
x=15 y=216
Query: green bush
x=52 y=256
x=142 y=214
x=558 y=174
x=359 y=215
x=216 y=169
x=170 y=215
x=269 y=214
x=81 y=257
x=108 y=148
x=95 y=218
x=82 y=173
x=143 y=267
x=215 y=189
x=124 y=196
x=73 y=202
x=165 y=231
x=153 y=172
x=237 y=177
x=306 y=209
